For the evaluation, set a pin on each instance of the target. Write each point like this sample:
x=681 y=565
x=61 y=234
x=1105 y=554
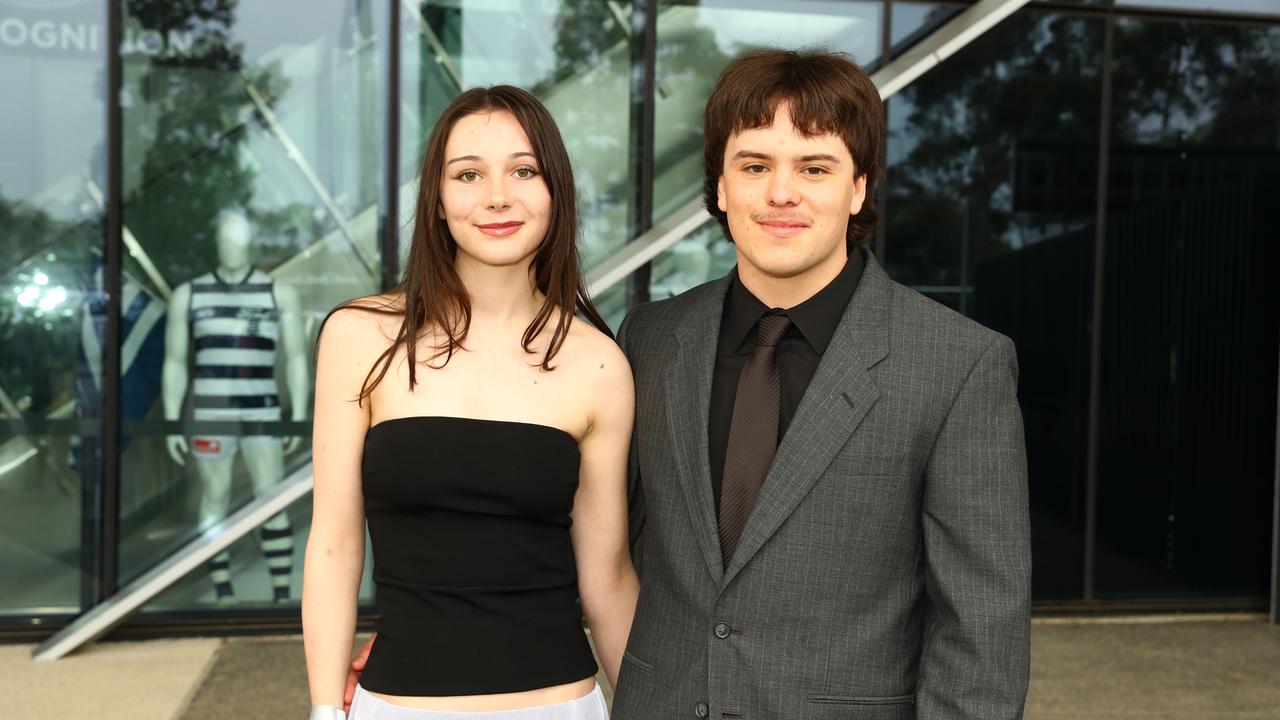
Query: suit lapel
x=838 y=398
x=688 y=400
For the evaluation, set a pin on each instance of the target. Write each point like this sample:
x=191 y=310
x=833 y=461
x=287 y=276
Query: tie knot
x=770 y=329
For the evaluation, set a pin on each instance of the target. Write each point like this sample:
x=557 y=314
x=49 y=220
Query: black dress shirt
x=813 y=323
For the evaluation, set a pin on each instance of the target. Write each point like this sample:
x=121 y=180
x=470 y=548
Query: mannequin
x=238 y=318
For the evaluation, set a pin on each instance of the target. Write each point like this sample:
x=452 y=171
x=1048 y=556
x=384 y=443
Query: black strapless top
x=476 y=581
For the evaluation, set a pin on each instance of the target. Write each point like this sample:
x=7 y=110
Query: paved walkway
x=1180 y=670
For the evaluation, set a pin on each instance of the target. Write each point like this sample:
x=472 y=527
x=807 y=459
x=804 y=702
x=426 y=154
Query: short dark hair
x=827 y=93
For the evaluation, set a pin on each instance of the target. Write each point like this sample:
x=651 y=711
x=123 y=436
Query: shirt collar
x=815 y=318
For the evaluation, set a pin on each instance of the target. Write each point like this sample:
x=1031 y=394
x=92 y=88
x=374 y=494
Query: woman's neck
x=503 y=295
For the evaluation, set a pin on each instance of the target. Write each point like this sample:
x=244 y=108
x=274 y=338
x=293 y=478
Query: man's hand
x=353 y=673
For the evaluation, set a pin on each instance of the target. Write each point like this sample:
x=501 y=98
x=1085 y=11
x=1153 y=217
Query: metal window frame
x=644 y=41
x=1275 y=524
x=1093 y=434
x=881 y=239
x=390 y=215
x=105 y=505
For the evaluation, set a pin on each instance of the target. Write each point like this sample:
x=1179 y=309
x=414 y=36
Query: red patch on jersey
x=208 y=445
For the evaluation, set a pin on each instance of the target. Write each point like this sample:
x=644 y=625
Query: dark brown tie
x=753 y=433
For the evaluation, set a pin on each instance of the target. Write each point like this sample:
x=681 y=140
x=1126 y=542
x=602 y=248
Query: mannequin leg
x=215 y=498
x=264 y=457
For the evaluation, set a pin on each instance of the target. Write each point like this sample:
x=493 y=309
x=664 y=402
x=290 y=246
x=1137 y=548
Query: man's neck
x=788 y=292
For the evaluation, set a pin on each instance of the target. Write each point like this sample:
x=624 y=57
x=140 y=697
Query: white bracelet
x=327 y=712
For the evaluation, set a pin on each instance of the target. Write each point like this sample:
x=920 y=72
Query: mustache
x=781 y=217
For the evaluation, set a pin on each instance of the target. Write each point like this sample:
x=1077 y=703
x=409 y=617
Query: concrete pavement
x=1178 y=668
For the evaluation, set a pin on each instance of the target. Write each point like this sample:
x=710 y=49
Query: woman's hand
x=355 y=671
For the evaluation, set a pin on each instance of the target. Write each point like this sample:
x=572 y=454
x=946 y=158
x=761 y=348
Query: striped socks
x=220 y=573
x=277 y=548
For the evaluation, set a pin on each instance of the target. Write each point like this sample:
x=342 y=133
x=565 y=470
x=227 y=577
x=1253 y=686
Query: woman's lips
x=502 y=229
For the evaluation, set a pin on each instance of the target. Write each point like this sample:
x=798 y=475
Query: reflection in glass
x=703 y=255
x=912 y=22
x=240 y=325
x=251 y=197
x=1190 y=313
x=989 y=209
x=1261 y=7
x=52 y=153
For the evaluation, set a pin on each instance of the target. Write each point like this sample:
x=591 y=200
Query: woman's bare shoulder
x=373 y=318
x=591 y=350
x=360 y=330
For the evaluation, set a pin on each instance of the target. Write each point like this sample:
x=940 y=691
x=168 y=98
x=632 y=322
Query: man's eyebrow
x=820 y=157
x=817 y=157
x=476 y=158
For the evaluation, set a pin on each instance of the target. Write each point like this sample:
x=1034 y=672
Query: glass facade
x=972 y=220
x=52 y=305
x=1091 y=179
x=251 y=203
x=1189 y=315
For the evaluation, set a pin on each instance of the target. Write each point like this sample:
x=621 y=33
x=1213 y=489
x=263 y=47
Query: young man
x=829 y=468
x=832 y=466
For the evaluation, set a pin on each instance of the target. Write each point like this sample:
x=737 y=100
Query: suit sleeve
x=976 y=655
x=635 y=491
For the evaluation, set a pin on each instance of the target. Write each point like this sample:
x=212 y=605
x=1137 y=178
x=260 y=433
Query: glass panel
x=575 y=57
x=52 y=308
x=697 y=40
x=912 y=22
x=989 y=210
x=252 y=142
x=704 y=254
x=1190 y=313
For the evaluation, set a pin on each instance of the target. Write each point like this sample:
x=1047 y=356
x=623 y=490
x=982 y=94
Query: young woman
x=482 y=431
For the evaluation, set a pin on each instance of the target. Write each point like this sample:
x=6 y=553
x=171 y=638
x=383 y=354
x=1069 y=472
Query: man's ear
x=720 y=199
x=859 y=194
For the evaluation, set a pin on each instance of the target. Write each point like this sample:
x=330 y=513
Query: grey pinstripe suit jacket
x=885 y=571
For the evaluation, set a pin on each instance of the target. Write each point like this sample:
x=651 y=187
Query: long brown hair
x=434 y=295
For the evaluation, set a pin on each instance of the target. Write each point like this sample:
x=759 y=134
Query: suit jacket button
x=701 y=710
x=722 y=630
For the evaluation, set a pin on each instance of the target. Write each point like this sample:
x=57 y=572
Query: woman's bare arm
x=335 y=547
x=607 y=581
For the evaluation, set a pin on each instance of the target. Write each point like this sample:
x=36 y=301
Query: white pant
x=588 y=707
